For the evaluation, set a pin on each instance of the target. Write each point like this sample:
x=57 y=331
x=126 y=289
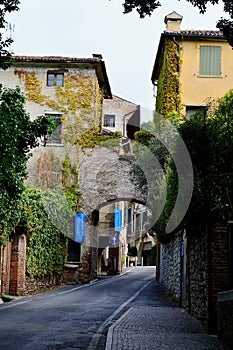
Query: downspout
x=178 y=71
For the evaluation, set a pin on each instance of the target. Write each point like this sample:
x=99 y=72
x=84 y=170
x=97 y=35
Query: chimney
x=97 y=55
x=173 y=21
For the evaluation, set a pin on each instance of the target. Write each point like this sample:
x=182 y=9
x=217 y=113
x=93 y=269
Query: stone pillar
x=18 y=265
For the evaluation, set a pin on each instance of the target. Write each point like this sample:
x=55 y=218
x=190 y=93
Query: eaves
x=208 y=35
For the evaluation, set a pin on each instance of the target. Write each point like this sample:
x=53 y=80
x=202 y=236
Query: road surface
x=76 y=316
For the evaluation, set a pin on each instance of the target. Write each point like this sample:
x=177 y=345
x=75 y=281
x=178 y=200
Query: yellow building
x=192 y=69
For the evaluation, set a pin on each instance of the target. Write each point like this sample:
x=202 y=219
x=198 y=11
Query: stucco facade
x=195 y=88
x=121 y=115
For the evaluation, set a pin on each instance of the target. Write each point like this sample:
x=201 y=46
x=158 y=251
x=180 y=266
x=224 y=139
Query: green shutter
x=210 y=60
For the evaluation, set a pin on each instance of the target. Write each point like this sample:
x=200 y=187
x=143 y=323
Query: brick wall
x=5 y=273
x=206 y=270
x=18 y=265
x=219 y=269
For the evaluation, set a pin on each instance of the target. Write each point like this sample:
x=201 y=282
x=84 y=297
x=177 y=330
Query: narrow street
x=79 y=316
x=73 y=316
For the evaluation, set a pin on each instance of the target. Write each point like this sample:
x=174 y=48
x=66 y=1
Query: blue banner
x=117 y=220
x=80 y=228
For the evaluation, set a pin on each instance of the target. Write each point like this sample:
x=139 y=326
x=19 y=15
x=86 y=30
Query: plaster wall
x=123 y=111
x=196 y=89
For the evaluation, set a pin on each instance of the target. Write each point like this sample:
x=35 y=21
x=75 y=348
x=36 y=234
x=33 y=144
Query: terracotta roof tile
x=55 y=59
x=199 y=33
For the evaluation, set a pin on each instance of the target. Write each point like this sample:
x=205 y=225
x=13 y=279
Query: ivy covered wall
x=168 y=98
x=46 y=243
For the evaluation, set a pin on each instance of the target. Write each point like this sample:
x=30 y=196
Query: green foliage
x=210 y=142
x=172 y=296
x=172 y=190
x=148 y=126
x=46 y=245
x=143 y=171
x=174 y=118
x=93 y=137
x=18 y=135
x=7 y=6
x=143 y=7
x=168 y=99
x=70 y=183
x=143 y=136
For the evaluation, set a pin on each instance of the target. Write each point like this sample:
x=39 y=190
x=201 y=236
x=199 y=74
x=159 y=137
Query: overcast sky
x=79 y=28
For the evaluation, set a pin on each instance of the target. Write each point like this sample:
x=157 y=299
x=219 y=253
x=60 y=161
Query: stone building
x=83 y=154
x=71 y=91
x=121 y=115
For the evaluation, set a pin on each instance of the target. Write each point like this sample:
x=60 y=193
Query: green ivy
x=46 y=243
x=168 y=98
x=93 y=137
x=18 y=135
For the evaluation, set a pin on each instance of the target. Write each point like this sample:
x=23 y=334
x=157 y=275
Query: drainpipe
x=178 y=70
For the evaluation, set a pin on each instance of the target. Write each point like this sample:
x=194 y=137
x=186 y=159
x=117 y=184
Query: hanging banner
x=80 y=228
x=117 y=220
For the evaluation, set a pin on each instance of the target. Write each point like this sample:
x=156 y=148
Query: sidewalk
x=164 y=328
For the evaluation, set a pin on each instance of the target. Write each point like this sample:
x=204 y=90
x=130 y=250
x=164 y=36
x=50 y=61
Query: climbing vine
x=70 y=183
x=18 y=134
x=46 y=243
x=79 y=100
x=168 y=99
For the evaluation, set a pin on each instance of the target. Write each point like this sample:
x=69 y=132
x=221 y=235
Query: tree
x=209 y=141
x=146 y=7
x=18 y=134
x=6 y=6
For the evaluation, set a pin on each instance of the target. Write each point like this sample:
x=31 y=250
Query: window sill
x=72 y=265
x=210 y=76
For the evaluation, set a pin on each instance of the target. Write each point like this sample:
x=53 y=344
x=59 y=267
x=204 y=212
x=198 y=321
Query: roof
x=183 y=35
x=59 y=61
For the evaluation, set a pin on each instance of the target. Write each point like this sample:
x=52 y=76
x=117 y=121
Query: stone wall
x=41 y=284
x=206 y=271
x=170 y=262
x=127 y=114
x=104 y=177
x=197 y=283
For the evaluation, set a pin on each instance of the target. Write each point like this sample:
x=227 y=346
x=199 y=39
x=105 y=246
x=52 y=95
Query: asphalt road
x=76 y=317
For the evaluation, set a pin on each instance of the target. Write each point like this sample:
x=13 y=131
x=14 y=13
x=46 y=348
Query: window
x=74 y=249
x=55 y=79
x=55 y=137
x=191 y=111
x=210 y=61
x=109 y=120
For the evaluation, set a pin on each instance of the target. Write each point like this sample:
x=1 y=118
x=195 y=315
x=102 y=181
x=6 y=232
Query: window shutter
x=210 y=60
